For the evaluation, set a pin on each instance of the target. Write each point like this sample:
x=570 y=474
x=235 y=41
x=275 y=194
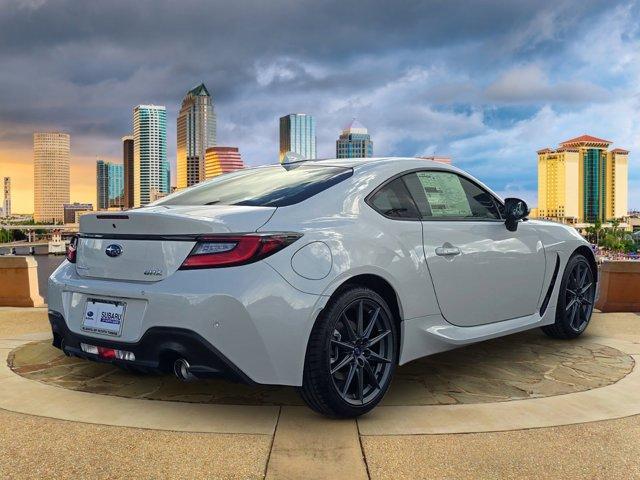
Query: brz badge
x=153 y=272
x=113 y=250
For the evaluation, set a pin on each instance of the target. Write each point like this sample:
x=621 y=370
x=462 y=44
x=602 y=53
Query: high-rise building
x=102 y=185
x=196 y=131
x=354 y=142
x=298 y=135
x=71 y=209
x=51 y=158
x=581 y=181
x=127 y=162
x=219 y=160
x=116 y=185
x=150 y=165
x=109 y=185
x=7 y=197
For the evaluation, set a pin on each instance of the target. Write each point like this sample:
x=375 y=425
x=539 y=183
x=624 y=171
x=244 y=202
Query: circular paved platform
x=519 y=382
x=518 y=367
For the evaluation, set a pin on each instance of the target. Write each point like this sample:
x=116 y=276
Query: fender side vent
x=545 y=302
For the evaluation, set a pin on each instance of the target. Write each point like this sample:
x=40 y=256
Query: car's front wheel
x=351 y=355
x=575 y=299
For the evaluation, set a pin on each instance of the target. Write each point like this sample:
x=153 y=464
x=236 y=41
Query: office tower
x=51 y=158
x=581 y=181
x=116 y=185
x=109 y=185
x=151 y=168
x=7 y=197
x=219 y=160
x=196 y=131
x=102 y=185
x=298 y=135
x=127 y=162
x=354 y=142
x=71 y=210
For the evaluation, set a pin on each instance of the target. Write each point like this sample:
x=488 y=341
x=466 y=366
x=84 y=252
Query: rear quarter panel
x=361 y=241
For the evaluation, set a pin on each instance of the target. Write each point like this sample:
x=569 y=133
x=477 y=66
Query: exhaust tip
x=181 y=369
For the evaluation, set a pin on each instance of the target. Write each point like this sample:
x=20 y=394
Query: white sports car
x=324 y=275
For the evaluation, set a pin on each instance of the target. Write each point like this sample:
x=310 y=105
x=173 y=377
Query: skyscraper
x=219 y=160
x=51 y=158
x=150 y=165
x=109 y=185
x=354 y=142
x=7 y=197
x=127 y=162
x=116 y=185
x=581 y=181
x=196 y=131
x=298 y=134
x=102 y=185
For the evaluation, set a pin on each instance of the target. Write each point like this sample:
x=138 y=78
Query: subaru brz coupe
x=324 y=275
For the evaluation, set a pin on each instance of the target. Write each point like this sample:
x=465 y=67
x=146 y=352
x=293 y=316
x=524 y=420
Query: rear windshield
x=272 y=186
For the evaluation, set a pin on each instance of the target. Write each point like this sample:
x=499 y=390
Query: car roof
x=363 y=162
x=389 y=166
x=372 y=162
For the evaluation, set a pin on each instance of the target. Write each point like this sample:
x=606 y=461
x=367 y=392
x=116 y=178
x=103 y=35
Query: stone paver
x=522 y=366
x=309 y=446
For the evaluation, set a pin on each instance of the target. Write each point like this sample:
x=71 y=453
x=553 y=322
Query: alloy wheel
x=579 y=295
x=362 y=352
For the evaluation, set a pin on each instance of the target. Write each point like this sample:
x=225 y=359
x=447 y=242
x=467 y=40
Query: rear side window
x=273 y=186
x=394 y=200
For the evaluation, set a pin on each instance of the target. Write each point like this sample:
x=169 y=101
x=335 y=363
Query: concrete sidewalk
x=293 y=442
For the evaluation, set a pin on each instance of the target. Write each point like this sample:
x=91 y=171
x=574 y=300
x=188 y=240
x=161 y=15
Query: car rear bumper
x=246 y=322
x=156 y=351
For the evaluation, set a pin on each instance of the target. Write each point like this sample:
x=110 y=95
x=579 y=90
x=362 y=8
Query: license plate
x=103 y=316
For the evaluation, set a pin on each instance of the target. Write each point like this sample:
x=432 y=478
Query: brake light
x=231 y=250
x=72 y=250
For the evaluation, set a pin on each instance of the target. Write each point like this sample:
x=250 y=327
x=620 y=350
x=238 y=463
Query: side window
x=394 y=200
x=448 y=195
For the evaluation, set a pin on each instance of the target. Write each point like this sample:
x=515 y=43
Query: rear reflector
x=231 y=250
x=108 y=353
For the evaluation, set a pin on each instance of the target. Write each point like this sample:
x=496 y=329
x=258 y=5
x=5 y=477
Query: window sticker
x=445 y=194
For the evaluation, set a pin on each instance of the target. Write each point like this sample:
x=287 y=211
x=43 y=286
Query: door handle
x=447 y=251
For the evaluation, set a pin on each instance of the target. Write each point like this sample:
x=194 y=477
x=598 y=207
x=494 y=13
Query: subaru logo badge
x=113 y=250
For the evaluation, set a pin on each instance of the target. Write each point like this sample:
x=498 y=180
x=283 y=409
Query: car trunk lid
x=150 y=244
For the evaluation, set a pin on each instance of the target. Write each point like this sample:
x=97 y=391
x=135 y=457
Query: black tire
x=575 y=299
x=344 y=351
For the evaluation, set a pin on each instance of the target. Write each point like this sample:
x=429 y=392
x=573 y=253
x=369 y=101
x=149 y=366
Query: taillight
x=230 y=250
x=72 y=249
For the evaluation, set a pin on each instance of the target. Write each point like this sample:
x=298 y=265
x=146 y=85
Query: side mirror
x=514 y=210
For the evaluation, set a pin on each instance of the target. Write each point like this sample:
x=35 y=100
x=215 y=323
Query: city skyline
x=488 y=96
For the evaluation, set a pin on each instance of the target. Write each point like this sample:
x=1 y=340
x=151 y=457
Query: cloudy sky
x=487 y=82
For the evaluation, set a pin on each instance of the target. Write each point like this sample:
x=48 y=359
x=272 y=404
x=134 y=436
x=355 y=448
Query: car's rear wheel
x=575 y=300
x=351 y=355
